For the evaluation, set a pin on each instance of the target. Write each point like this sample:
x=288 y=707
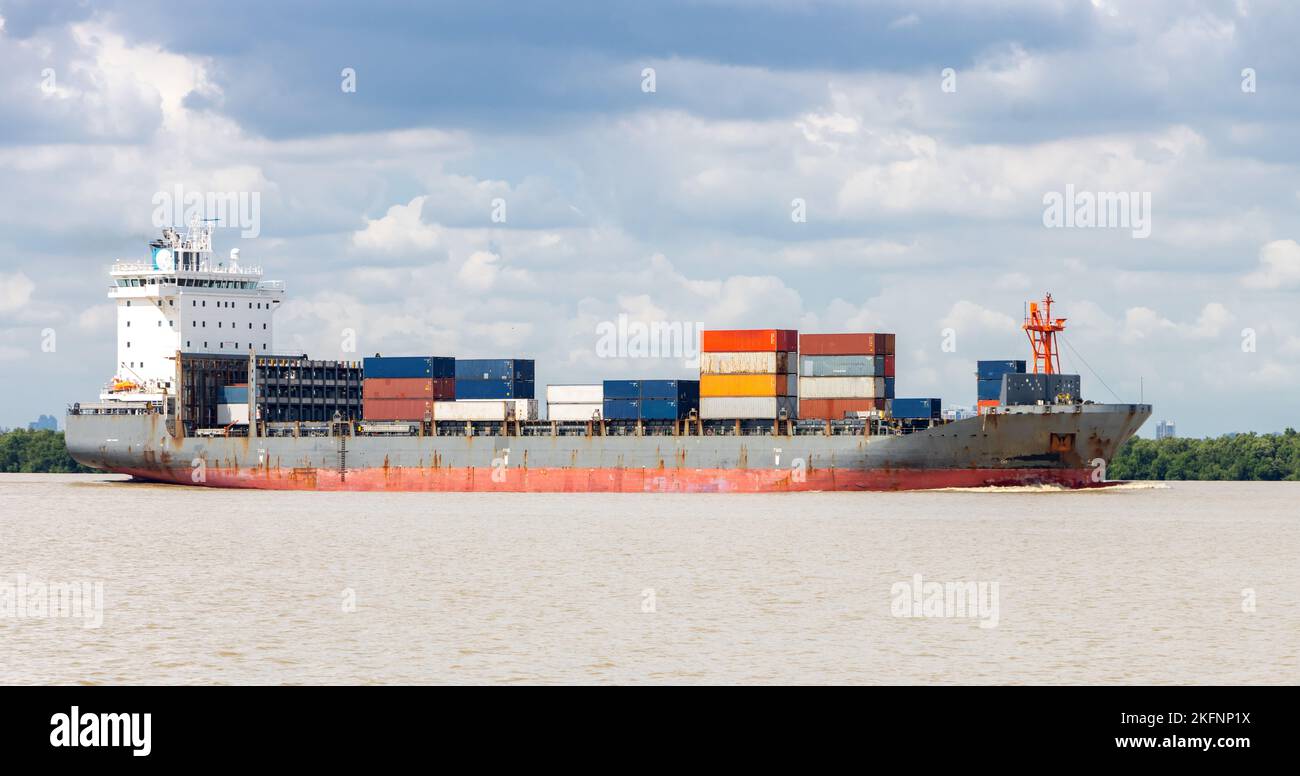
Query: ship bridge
x=185 y=299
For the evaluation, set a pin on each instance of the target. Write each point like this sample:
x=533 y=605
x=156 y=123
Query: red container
x=408 y=388
x=837 y=344
x=983 y=405
x=749 y=340
x=889 y=365
x=395 y=409
x=834 y=409
x=887 y=345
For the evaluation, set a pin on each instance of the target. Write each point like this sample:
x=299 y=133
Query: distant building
x=1165 y=430
x=44 y=423
x=958 y=413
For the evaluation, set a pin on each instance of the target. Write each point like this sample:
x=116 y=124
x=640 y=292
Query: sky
x=496 y=179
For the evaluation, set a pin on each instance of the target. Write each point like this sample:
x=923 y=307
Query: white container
x=575 y=394
x=232 y=413
x=748 y=363
x=485 y=409
x=841 y=387
x=746 y=407
x=574 y=412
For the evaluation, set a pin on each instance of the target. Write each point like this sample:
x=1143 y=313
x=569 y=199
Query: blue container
x=842 y=366
x=622 y=389
x=680 y=390
x=915 y=409
x=494 y=389
x=514 y=369
x=889 y=387
x=989 y=389
x=443 y=367
x=622 y=409
x=993 y=370
x=660 y=409
x=231 y=394
x=402 y=367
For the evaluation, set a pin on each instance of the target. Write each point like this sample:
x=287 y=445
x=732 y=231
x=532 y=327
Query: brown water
x=1141 y=584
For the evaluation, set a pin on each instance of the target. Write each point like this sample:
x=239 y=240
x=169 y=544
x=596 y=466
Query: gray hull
x=1063 y=444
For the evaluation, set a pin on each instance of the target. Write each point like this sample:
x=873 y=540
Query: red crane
x=1041 y=329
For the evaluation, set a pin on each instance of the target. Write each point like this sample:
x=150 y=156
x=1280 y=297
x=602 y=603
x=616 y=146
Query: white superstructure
x=183 y=299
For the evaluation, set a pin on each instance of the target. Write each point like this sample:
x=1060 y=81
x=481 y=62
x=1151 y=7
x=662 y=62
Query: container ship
x=201 y=397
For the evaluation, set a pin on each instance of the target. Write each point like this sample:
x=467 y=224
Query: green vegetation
x=36 y=451
x=1236 y=457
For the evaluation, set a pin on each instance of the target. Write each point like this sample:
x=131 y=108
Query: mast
x=1041 y=329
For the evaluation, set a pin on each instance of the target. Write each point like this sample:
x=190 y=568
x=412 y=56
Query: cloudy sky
x=923 y=188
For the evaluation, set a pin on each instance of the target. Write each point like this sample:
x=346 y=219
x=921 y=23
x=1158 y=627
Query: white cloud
x=399 y=230
x=1279 y=266
x=15 y=291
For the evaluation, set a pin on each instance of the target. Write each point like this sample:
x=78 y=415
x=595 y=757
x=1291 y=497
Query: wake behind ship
x=199 y=398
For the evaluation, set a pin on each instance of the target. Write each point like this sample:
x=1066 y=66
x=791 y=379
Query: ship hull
x=1066 y=446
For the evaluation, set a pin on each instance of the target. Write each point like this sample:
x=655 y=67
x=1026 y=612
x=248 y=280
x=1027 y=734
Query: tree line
x=1232 y=457
x=36 y=451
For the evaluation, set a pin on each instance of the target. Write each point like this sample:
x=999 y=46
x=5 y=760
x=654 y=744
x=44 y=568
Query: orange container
x=749 y=340
x=408 y=388
x=834 y=409
x=838 y=344
x=745 y=385
x=865 y=344
x=983 y=405
x=395 y=409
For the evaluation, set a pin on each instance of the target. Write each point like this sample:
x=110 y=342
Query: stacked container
x=749 y=374
x=650 y=399
x=233 y=408
x=406 y=387
x=494 y=378
x=567 y=403
x=843 y=374
x=989 y=381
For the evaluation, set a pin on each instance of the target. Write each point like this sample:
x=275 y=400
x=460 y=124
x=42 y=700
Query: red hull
x=619 y=480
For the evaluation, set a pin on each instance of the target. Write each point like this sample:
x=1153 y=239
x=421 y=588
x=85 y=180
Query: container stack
x=569 y=403
x=845 y=374
x=749 y=374
x=989 y=381
x=494 y=378
x=405 y=387
x=233 y=408
x=650 y=399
